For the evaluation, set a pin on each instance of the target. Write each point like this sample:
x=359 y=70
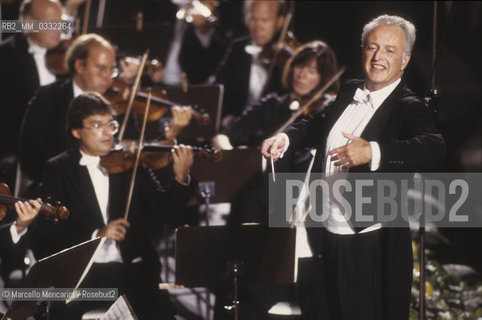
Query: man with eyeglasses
x=91 y=62
x=97 y=202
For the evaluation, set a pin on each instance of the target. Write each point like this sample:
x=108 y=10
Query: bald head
x=42 y=10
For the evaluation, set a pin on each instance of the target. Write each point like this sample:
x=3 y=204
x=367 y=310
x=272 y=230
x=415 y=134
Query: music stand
x=201 y=97
x=225 y=256
x=64 y=269
x=228 y=177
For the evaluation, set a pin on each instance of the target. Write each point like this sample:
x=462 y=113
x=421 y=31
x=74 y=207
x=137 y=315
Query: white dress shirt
x=110 y=251
x=353 y=120
x=258 y=76
x=38 y=53
x=77 y=90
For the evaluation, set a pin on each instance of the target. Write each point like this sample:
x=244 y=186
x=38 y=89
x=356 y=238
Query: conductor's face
x=264 y=21
x=96 y=137
x=382 y=57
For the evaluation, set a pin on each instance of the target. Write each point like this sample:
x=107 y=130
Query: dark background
x=457 y=72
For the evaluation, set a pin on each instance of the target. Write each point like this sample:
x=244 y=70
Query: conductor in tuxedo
x=97 y=201
x=375 y=125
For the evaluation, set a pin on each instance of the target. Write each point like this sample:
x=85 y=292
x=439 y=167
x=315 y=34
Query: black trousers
x=368 y=275
x=139 y=286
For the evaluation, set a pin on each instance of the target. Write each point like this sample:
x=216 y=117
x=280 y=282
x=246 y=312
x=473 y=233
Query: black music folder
x=204 y=255
x=64 y=269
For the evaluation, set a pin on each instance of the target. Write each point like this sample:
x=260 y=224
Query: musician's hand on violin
x=181 y=116
x=129 y=67
x=115 y=229
x=183 y=158
x=273 y=147
x=26 y=211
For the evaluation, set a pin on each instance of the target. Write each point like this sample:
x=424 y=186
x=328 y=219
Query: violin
x=118 y=96
x=56 y=212
x=153 y=155
x=277 y=53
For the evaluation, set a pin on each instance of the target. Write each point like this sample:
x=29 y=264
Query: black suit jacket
x=402 y=126
x=43 y=132
x=408 y=142
x=68 y=182
x=18 y=81
x=234 y=74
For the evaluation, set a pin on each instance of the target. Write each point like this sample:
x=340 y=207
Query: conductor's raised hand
x=115 y=229
x=183 y=158
x=273 y=147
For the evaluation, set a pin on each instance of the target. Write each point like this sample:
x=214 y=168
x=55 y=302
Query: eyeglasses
x=104 y=70
x=113 y=125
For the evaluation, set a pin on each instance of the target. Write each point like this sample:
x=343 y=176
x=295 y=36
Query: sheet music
x=120 y=310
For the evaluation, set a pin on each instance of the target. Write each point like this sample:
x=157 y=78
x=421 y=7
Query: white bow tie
x=36 y=50
x=86 y=160
x=252 y=49
x=361 y=96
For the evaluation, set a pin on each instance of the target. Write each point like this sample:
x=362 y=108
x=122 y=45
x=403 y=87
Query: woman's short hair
x=326 y=64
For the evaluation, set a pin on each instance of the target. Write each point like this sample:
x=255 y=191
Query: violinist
x=241 y=72
x=307 y=71
x=91 y=63
x=97 y=200
x=23 y=70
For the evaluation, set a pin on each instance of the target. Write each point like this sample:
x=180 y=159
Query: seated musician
x=97 y=201
x=91 y=62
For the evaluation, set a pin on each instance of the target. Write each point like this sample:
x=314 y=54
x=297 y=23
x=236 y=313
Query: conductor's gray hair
x=397 y=21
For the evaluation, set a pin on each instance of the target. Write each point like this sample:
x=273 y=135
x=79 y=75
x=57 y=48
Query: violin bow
x=314 y=98
x=135 y=88
x=86 y=17
x=279 y=43
x=138 y=157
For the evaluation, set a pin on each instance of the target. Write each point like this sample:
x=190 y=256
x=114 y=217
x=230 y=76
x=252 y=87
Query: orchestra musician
x=241 y=72
x=23 y=70
x=375 y=125
x=92 y=65
x=97 y=202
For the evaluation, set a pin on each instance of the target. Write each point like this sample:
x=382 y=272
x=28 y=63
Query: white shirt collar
x=379 y=96
x=35 y=49
x=77 y=90
x=87 y=160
